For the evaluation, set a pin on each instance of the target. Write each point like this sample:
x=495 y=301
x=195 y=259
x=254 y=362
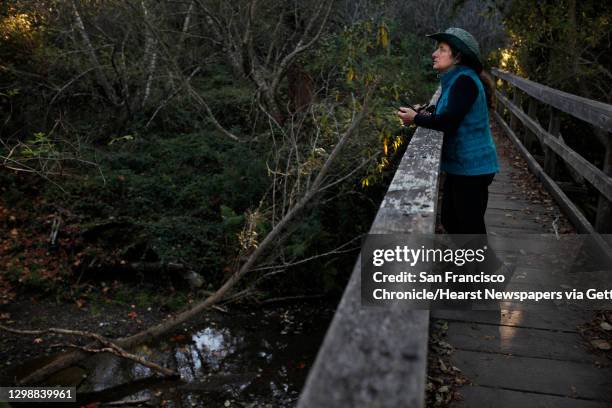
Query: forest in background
x=143 y=140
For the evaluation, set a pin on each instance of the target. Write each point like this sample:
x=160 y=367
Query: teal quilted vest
x=470 y=151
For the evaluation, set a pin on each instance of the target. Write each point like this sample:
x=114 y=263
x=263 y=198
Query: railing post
x=504 y=92
x=530 y=138
x=497 y=106
x=516 y=100
x=550 y=157
x=603 y=220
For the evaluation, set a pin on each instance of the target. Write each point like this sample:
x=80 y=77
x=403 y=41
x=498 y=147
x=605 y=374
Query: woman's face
x=442 y=57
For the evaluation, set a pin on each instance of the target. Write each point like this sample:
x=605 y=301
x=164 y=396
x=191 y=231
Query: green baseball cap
x=463 y=42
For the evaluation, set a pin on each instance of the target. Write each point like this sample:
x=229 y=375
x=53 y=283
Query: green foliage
x=120 y=139
x=366 y=53
x=174 y=188
x=40 y=146
x=187 y=195
x=563 y=44
x=21 y=35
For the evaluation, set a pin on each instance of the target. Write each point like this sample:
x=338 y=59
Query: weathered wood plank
x=603 y=223
x=517 y=210
x=561 y=378
x=530 y=275
x=519 y=341
x=502 y=231
x=516 y=98
x=516 y=197
x=550 y=159
x=366 y=359
x=507 y=204
x=600 y=180
x=493 y=220
x=594 y=112
x=503 y=188
x=487 y=397
x=542 y=319
x=526 y=244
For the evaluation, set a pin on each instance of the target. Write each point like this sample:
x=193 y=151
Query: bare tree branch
x=110 y=92
x=186 y=83
x=110 y=347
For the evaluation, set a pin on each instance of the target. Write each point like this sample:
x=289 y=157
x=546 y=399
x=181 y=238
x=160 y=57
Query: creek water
x=242 y=358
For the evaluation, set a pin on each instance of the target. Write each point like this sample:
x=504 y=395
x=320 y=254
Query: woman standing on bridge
x=469 y=156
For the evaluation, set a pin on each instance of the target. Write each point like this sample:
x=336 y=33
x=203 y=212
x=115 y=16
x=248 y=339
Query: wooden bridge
x=377 y=357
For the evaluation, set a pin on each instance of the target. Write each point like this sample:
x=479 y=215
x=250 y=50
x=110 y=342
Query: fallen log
x=110 y=347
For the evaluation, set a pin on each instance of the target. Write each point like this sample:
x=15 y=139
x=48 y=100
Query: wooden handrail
x=377 y=357
x=593 y=112
x=595 y=176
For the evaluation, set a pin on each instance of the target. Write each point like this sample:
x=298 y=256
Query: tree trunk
x=101 y=77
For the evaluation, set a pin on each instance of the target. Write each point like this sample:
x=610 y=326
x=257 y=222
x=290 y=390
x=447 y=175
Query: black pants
x=464 y=202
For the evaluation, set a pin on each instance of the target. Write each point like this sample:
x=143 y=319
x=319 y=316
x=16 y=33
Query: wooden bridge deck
x=519 y=358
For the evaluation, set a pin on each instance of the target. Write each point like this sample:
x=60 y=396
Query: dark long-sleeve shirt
x=461 y=97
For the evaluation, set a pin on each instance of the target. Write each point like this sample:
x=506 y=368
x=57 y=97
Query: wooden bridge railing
x=550 y=141
x=377 y=357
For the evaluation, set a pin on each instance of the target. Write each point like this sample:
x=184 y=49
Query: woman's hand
x=406 y=115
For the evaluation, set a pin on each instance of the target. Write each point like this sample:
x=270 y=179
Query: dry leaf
x=178 y=337
x=601 y=344
x=444 y=344
x=574 y=392
x=604 y=325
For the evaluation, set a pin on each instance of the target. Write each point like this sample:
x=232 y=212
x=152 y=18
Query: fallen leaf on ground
x=178 y=337
x=574 y=392
x=601 y=344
